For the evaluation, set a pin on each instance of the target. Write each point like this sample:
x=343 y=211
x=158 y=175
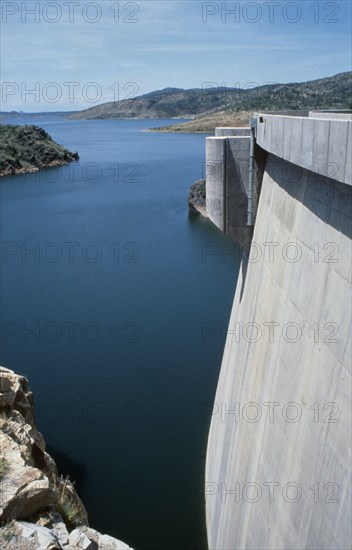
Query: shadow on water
x=68 y=467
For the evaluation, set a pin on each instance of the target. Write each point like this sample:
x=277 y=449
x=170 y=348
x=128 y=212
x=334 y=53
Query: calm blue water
x=115 y=303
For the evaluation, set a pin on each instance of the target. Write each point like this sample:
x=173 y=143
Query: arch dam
x=278 y=466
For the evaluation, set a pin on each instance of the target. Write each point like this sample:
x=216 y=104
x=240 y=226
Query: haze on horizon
x=74 y=55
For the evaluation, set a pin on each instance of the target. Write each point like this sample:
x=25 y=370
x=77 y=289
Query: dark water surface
x=115 y=304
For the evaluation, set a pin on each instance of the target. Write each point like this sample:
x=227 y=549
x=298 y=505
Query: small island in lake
x=28 y=149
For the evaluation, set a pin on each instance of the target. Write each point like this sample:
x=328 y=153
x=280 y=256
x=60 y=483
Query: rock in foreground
x=39 y=510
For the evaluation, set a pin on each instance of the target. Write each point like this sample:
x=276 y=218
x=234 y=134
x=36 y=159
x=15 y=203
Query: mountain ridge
x=324 y=93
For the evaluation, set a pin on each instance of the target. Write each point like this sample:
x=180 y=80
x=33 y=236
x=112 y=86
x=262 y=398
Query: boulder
x=78 y=539
x=21 y=535
x=103 y=542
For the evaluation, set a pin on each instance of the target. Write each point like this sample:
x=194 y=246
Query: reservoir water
x=114 y=302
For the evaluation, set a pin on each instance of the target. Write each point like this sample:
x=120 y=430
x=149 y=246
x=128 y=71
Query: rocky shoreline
x=13 y=171
x=26 y=149
x=39 y=509
x=197 y=199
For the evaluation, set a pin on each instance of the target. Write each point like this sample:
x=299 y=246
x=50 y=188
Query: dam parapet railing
x=317 y=141
x=320 y=143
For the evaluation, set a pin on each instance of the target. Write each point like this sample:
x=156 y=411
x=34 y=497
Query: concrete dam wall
x=278 y=468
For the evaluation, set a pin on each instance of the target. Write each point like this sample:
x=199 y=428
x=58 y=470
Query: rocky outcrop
x=22 y=535
x=197 y=198
x=28 y=149
x=38 y=508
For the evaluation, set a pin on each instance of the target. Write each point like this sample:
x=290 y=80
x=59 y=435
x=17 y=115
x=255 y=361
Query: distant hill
x=29 y=148
x=325 y=93
x=9 y=114
x=15 y=114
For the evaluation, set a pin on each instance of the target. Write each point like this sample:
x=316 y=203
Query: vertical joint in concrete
x=251 y=173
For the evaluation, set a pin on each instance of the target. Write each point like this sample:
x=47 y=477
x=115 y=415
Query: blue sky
x=75 y=55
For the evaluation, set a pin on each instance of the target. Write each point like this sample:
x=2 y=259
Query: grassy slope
x=207 y=123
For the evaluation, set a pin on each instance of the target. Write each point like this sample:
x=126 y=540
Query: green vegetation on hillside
x=325 y=93
x=29 y=148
